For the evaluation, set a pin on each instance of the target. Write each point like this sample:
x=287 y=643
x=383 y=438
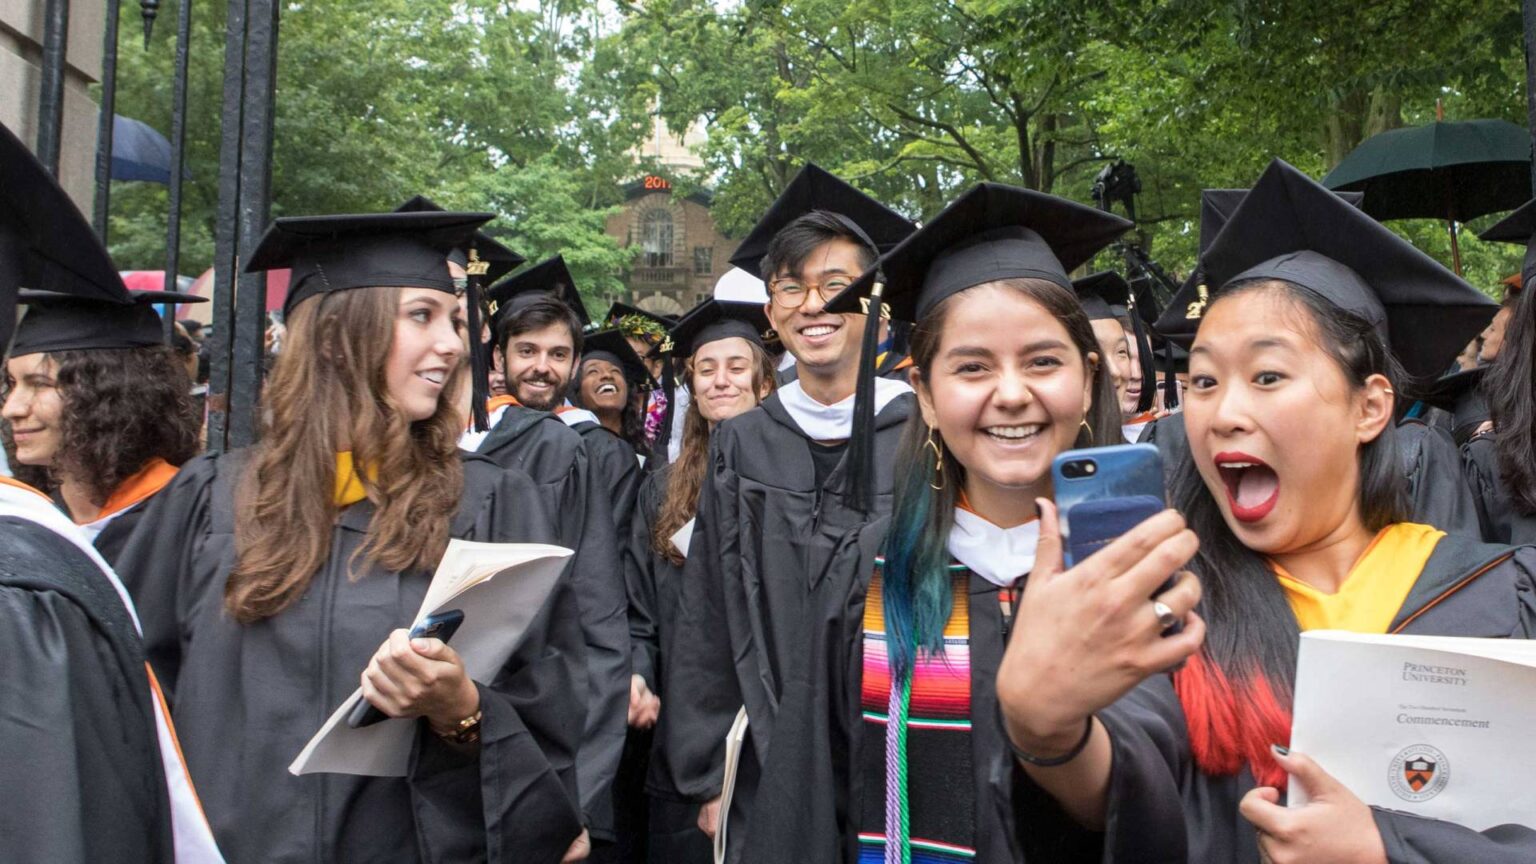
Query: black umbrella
x=1451 y=171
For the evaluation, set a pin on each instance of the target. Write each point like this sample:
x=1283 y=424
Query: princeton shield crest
x=1418 y=773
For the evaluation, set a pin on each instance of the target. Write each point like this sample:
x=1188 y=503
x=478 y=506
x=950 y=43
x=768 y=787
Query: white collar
x=998 y=555
x=471 y=440
x=833 y=422
x=577 y=416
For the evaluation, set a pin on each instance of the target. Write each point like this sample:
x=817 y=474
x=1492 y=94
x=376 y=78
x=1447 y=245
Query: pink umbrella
x=277 y=291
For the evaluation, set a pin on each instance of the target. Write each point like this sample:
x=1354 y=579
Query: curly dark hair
x=122 y=408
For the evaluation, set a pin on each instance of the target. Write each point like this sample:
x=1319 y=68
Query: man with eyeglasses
x=780 y=492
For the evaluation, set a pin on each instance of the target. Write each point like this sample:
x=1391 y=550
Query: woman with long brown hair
x=270 y=579
x=727 y=371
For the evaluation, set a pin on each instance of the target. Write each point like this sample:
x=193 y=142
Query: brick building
x=682 y=254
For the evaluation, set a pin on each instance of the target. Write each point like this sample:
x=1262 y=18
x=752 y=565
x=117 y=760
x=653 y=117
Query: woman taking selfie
x=271 y=580
x=889 y=746
x=1294 y=492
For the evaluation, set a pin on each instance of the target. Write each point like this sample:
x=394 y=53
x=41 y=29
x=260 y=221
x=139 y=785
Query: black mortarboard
x=1518 y=227
x=639 y=323
x=1290 y=227
x=1216 y=207
x=1460 y=394
x=45 y=244
x=1108 y=295
x=546 y=280
x=1171 y=358
x=611 y=345
x=373 y=250
x=707 y=322
x=813 y=188
x=64 y=322
x=499 y=259
x=991 y=232
x=713 y=320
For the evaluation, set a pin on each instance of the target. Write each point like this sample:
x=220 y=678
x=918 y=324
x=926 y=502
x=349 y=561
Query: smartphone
x=440 y=626
x=1103 y=492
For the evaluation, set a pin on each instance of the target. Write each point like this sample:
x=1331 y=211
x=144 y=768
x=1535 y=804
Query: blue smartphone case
x=1126 y=486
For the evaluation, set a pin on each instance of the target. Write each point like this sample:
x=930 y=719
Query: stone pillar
x=21 y=57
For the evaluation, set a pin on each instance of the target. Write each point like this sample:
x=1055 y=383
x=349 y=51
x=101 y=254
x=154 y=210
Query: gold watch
x=466 y=731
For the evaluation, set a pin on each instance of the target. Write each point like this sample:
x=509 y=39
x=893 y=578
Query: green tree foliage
x=534 y=109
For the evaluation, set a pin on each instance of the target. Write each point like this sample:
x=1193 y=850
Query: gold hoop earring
x=1089 y=428
x=938 y=461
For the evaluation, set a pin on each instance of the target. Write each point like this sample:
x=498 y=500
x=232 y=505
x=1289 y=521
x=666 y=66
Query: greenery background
x=533 y=109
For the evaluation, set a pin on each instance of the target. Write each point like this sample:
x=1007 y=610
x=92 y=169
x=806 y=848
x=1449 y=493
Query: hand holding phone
x=1102 y=493
x=441 y=626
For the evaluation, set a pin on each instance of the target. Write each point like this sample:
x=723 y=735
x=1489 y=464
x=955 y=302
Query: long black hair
x=1237 y=690
x=1511 y=389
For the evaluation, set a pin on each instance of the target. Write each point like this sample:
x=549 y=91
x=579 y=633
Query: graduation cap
x=638 y=323
x=377 y=250
x=65 y=322
x=546 y=280
x=1106 y=295
x=1291 y=228
x=1518 y=227
x=878 y=226
x=372 y=250
x=611 y=345
x=1460 y=394
x=991 y=232
x=499 y=260
x=710 y=321
x=45 y=243
x=1176 y=323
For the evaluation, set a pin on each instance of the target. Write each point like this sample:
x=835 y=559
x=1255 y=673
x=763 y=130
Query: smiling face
x=34 y=408
x=721 y=374
x=1007 y=389
x=428 y=345
x=825 y=346
x=538 y=365
x=603 y=389
x=1275 y=427
x=1114 y=347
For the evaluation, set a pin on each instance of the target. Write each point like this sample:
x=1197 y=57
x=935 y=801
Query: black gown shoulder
x=1500 y=521
x=1436 y=479
x=247 y=697
x=1162 y=808
x=81 y=776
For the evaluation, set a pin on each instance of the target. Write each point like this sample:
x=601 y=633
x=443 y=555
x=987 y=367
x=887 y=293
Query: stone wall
x=21 y=57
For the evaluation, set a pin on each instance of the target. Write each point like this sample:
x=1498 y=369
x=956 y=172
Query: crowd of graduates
x=817 y=608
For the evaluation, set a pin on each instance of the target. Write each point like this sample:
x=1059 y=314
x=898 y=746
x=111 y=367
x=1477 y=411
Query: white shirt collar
x=471 y=440
x=833 y=422
x=998 y=555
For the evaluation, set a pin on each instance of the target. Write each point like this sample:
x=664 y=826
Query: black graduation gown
x=1500 y=521
x=1162 y=808
x=81 y=778
x=555 y=458
x=114 y=535
x=812 y=788
x=765 y=530
x=617 y=469
x=1439 y=493
x=247 y=697
x=665 y=823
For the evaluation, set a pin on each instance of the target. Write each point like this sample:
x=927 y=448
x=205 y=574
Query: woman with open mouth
x=889 y=745
x=1294 y=490
x=272 y=580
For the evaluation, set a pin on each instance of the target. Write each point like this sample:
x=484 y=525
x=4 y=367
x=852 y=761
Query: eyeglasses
x=791 y=293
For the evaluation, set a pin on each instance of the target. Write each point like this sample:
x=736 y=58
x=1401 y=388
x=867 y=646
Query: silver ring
x=1165 y=616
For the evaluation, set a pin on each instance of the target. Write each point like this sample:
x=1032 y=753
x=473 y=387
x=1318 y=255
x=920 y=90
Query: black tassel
x=1148 y=370
x=479 y=372
x=861 y=446
x=1170 y=383
x=659 y=449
